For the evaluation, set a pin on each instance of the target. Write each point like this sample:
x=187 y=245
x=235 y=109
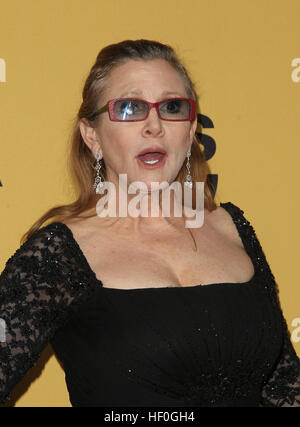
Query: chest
x=206 y=257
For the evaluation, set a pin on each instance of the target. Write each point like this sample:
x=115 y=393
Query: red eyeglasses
x=136 y=110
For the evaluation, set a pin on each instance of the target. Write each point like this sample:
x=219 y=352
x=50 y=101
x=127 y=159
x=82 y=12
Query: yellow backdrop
x=244 y=56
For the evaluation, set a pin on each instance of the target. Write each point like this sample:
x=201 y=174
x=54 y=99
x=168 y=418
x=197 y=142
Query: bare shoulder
x=222 y=221
x=80 y=227
x=73 y=223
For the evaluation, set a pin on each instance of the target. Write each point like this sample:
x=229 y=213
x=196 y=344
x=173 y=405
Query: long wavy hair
x=81 y=160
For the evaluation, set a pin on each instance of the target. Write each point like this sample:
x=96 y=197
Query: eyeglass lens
x=129 y=109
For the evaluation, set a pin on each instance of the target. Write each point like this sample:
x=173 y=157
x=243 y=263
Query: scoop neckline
x=197 y=286
x=130 y=290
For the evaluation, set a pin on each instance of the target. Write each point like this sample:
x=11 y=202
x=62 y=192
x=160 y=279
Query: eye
x=172 y=107
x=128 y=107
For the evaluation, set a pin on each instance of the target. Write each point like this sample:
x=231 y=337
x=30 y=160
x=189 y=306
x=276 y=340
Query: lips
x=152 y=150
x=151 y=156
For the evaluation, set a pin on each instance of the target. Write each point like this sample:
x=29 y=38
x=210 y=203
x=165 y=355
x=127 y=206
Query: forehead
x=151 y=79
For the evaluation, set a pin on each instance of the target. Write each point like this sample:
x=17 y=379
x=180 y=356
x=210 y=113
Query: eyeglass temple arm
x=96 y=113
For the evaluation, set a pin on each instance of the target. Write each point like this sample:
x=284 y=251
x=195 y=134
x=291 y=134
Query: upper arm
x=37 y=286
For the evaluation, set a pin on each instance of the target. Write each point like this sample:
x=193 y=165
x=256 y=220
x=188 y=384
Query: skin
x=154 y=251
x=119 y=143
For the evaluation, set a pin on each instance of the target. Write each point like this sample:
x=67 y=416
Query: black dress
x=224 y=344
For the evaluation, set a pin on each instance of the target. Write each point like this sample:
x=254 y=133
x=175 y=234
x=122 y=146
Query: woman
x=140 y=310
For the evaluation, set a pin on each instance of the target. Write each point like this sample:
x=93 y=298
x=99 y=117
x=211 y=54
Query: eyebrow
x=138 y=93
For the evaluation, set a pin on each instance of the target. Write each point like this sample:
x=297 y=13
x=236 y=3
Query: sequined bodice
x=225 y=344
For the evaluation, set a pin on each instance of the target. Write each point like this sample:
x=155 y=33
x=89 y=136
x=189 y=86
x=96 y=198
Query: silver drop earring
x=98 y=184
x=188 y=181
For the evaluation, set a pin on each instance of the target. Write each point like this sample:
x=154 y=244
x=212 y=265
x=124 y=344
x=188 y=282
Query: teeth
x=150 y=162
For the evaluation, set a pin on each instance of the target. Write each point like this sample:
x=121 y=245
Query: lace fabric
x=282 y=388
x=48 y=279
x=39 y=285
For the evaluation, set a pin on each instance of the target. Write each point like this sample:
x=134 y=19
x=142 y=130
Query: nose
x=153 y=124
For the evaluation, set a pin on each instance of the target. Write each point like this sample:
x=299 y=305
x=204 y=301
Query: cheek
x=112 y=137
x=118 y=143
x=181 y=136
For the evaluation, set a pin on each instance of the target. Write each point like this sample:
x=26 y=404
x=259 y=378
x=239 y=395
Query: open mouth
x=152 y=160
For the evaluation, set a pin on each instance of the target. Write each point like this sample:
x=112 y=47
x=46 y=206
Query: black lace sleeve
x=41 y=284
x=282 y=388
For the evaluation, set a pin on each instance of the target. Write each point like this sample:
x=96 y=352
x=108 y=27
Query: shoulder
x=225 y=220
x=84 y=229
x=51 y=235
x=38 y=254
x=78 y=229
x=42 y=244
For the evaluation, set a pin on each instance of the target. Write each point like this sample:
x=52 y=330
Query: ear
x=90 y=137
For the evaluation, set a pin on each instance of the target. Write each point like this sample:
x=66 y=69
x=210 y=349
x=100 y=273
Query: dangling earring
x=98 y=184
x=188 y=181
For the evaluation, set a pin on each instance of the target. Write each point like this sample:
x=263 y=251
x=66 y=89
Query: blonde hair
x=81 y=159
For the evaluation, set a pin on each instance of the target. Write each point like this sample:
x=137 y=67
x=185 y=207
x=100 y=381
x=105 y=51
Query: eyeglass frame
x=109 y=106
